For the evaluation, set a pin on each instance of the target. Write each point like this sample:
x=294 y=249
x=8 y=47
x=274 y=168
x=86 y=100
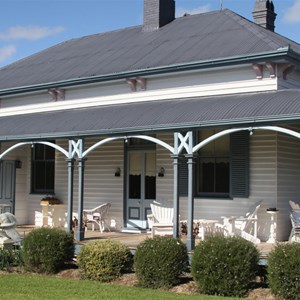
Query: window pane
x=207 y=150
x=213 y=165
x=39 y=152
x=135 y=175
x=49 y=152
x=206 y=176
x=139 y=142
x=222 y=176
x=49 y=176
x=39 y=178
x=43 y=165
x=150 y=176
x=222 y=146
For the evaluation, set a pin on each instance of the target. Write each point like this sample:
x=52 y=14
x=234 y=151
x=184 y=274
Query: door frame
x=128 y=149
x=11 y=186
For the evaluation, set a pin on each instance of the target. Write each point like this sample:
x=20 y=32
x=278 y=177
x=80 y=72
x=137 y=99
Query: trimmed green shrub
x=46 y=250
x=284 y=271
x=160 y=261
x=224 y=266
x=10 y=258
x=103 y=260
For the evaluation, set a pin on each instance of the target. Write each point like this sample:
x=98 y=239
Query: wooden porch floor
x=132 y=239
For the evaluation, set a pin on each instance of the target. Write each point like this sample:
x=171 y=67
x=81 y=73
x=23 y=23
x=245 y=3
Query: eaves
x=281 y=54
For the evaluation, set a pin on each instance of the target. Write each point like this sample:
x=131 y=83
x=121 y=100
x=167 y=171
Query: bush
x=284 y=271
x=160 y=261
x=10 y=258
x=46 y=250
x=103 y=260
x=224 y=266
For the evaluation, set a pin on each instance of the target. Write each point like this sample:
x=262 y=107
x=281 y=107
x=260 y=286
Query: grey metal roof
x=231 y=110
x=195 y=38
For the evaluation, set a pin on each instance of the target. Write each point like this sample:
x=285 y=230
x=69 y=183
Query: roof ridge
x=256 y=29
x=105 y=32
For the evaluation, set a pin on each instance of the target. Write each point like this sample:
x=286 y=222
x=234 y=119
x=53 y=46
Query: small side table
x=273 y=227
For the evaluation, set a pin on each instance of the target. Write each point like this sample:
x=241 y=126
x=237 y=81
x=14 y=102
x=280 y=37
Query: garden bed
x=187 y=285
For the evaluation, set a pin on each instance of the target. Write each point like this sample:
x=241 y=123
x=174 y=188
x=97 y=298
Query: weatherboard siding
x=263 y=176
x=288 y=181
x=164 y=185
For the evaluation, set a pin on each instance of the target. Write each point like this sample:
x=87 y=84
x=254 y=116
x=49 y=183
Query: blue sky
x=29 y=26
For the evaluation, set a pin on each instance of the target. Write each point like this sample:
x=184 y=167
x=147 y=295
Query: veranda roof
x=251 y=109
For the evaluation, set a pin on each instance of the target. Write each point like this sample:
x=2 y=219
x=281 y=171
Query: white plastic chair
x=294 y=206
x=295 y=232
x=245 y=226
x=97 y=216
x=161 y=219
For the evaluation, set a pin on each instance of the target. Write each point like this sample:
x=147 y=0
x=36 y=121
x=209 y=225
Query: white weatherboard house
x=200 y=110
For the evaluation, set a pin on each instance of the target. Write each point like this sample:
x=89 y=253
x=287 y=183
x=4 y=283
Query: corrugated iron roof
x=194 y=38
x=230 y=110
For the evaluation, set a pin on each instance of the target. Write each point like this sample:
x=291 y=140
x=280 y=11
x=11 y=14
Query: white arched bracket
x=57 y=147
x=143 y=137
x=250 y=129
x=279 y=129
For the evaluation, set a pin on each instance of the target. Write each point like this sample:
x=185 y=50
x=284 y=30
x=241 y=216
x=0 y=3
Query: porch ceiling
x=230 y=110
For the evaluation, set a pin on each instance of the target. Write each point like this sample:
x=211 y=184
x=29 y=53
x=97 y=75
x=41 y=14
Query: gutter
x=281 y=53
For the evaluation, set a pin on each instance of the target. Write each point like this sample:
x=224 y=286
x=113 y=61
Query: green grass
x=17 y=286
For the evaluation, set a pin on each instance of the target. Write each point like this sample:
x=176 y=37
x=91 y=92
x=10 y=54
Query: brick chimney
x=264 y=14
x=158 y=13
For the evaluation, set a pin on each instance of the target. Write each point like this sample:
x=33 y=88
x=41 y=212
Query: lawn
x=17 y=286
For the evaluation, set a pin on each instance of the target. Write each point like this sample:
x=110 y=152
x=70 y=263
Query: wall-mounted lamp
x=118 y=172
x=18 y=164
x=161 y=172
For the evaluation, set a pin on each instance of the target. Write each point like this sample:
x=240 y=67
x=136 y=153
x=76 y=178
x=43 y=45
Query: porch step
x=133 y=230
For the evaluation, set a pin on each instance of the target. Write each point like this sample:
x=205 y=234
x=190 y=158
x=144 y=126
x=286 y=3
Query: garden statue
x=8 y=230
